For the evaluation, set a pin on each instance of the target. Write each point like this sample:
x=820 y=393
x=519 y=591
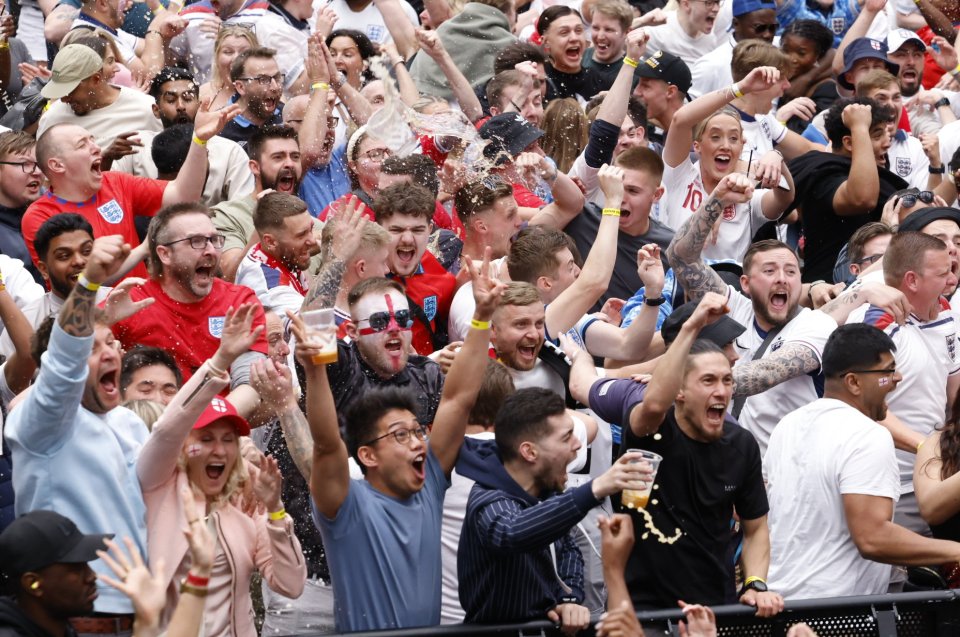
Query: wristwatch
x=754 y=584
x=937 y=171
x=943 y=101
x=660 y=300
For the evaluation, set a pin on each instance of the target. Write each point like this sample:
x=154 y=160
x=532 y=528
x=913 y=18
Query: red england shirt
x=432 y=288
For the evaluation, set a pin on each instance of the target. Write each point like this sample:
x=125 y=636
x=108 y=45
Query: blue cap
x=862 y=49
x=743 y=7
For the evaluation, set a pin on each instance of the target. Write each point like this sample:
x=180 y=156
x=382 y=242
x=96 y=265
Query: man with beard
x=176 y=104
x=191 y=302
x=276 y=165
x=20 y=181
x=80 y=93
x=259 y=85
x=710 y=466
x=71 y=160
x=833 y=484
x=781 y=351
x=275 y=268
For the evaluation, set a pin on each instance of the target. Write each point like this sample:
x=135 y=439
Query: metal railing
x=921 y=614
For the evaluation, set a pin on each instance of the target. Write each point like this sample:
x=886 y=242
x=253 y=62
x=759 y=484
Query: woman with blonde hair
x=232 y=40
x=566 y=129
x=195 y=445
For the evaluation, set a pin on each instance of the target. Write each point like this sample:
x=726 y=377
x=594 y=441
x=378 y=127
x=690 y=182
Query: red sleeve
x=146 y=194
x=525 y=198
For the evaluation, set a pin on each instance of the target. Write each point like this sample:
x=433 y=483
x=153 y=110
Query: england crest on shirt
x=430 y=307
x=951 y=347
x=838 y=25
x=111 y=211
x=215 y=324
x=903 y=166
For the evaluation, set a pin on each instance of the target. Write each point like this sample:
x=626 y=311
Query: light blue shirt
x=384 y=555
x=80 y=464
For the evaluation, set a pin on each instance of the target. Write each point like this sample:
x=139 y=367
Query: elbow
x=935 y=512
x=868 y=547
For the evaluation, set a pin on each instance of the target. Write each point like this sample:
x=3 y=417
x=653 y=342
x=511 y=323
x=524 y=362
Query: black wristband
x=660 y=300
x=942 y=102
x=937 y=171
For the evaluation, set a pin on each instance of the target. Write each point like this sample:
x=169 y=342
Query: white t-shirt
x=811 y=328
x=923 y=118
x=126 y=42
x=368 y=21
x=685 y=195
x=671 y=37
x=712 y=71
x=908 y=161
x=462 y=306
x=132 y=111
x=229 y=175
x=949 y=141
x=817 y=454
x=289 y=43
x=926 y=355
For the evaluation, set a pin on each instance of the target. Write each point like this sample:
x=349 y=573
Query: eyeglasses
x=26 y=166
x=381 y=321
x=333 y=122
x=889 y=371
x=377 y=154
x=403 y=435
x=199 y=242
x=909 y=199
x=873 y=258
x=766 y=28
x=264 y=80
x=710 y=4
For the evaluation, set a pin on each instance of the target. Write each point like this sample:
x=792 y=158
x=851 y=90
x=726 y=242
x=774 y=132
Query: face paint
x=194 y=450
x=884 y=381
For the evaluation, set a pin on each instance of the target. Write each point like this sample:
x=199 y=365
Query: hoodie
x=506 y=563
x=15 y=623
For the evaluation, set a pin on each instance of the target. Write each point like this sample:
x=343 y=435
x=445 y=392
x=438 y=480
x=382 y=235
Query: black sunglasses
x=379 y=321
x=909 y=200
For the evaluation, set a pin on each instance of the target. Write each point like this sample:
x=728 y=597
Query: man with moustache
x=259 y=85
x=176 y=104
x=191 y=301
x=832 y=480
x=275 y=162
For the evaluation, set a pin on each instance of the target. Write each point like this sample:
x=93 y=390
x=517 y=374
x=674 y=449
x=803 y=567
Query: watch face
x=760 y=587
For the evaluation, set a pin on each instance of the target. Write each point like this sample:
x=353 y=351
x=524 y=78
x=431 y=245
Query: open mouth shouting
x=716 y=413
x=573 y=53
x=95 y=168
x=419 y=467
x=108 y=384
x=406 y=259
x=723 y=161
x=214 y=470
x=33 y=186
x=286 y=181
x=779 y=301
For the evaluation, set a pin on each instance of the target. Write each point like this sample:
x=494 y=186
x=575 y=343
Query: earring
x=34 y=586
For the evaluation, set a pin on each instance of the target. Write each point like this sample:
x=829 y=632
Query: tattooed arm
x=790 y=361
x=79 y=311
x=350 y=224
x=694 y=275
x=889 y=299
x=274 y=383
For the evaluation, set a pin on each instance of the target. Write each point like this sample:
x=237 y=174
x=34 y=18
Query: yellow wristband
x=479 y=325
x=955 y=71
x=4 y=45
x=278 y=515
x=198 y=141
x=629 y=61
x=610 y=212
x=754 y=578
x=319 y=86
x=86 y=283
x=920 y=444
x=736 y=90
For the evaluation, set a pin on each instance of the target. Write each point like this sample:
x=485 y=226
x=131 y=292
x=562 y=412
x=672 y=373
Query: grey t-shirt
x=625 y=280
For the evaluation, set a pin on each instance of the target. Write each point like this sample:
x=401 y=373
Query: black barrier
x=923 y=614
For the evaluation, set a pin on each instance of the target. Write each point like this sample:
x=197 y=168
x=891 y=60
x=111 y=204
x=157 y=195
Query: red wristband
x=194 y=580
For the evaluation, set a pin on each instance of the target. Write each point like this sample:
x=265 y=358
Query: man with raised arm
x=73 y=450
x=780 y=352
x=383 y=532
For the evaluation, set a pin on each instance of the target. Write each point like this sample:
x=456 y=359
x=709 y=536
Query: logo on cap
x=875 y=45
x=218 y=405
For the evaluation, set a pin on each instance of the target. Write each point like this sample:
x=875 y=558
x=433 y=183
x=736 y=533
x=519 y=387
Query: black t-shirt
x=586 y=83
x=625 y=281
x=606 y=73
x=698 y=486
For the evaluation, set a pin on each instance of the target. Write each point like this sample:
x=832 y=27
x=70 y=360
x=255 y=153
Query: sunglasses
x=910 y=199
x=381 y=321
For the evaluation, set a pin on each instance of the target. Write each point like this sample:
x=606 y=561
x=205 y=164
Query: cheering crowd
x=391 y=313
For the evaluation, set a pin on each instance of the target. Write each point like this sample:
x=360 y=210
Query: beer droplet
x=657 y=436
x=656 y=502
x=656 y=486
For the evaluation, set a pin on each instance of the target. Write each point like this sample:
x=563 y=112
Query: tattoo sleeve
x=296 y=431
x=323 y=290
x=78 y=312
x=694 y=275
x=790 y=361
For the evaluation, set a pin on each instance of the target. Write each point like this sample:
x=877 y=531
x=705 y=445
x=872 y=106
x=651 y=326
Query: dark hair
x=262 y=135
x=759 y=247
x=698 y=348
x=273 y=208
x=499 y=82
x=41 y=339
x=637 y=111
x=418 y=166
x=366 y=411
x=477 y=196
x=948 y=451
x=814 y=31
x=404 y=199
x=366 y=47
x=169 y=74
x=833 y=120
x=496 y=386
x=523 y=418
x=864 y=234
x=56 y=226
x=257 y=52
x=552 y=14
x=514 y=54
x=854 y=346
x=156 y=231
x=170 y=148
x=534 y=253
x=144 y=356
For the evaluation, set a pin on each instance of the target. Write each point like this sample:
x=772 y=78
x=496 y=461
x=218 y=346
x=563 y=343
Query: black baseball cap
x=40 y=538
x=721 y=332
x=661 y=65
x=917 y=221
x=508 y=133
